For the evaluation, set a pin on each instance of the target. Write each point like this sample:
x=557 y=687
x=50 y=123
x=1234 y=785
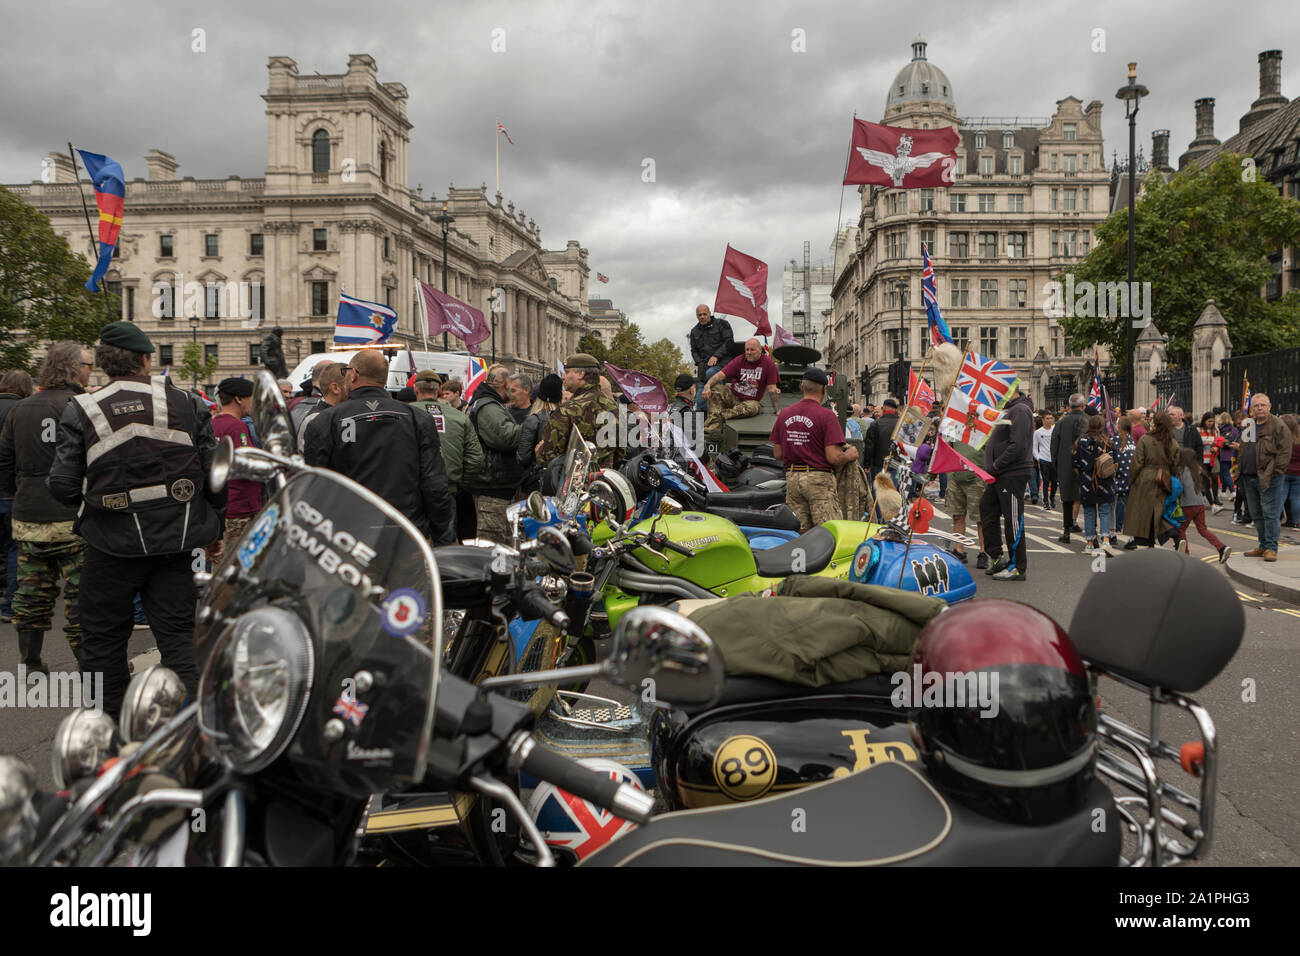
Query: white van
x=450 y=364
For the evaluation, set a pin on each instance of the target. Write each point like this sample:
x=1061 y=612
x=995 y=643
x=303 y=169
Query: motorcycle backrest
x=1159 y=618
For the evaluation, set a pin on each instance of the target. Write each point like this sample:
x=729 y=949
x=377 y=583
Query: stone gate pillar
x=1149 y=358
x=1210 y=346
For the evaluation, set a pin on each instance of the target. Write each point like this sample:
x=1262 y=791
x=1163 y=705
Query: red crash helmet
x=1000 y=708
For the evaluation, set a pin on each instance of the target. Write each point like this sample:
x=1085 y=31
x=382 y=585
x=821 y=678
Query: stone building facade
x=1027 y=196
x=605 y=321
x=220 y=261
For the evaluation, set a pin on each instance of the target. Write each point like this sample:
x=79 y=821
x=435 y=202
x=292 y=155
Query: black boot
x=29 y=650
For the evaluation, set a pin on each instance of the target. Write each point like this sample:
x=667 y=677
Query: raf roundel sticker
x=860 y=563
x=402 y=612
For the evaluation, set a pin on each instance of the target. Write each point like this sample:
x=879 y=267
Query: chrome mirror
x=672 y=651
x=670 y=507
x=219 y=473
x=554 y=548
x=271 y=415
x=537 y=506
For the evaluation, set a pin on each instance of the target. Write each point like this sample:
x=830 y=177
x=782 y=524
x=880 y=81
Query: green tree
x=592 y=345
x=194 y=366
x=1206 y=234
x=42 y=287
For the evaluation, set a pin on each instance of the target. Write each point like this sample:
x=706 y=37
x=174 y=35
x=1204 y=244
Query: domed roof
x=920 y=81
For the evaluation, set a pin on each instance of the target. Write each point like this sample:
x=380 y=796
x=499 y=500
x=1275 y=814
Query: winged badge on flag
x=742 y=289
x=641 y=389
x=900 y=157
x=986 y=380
x=783 y=337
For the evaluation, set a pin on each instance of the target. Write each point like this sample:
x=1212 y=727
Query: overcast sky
x=747 y=136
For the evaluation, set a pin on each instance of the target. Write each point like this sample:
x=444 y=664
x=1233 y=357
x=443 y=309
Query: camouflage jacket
x=593 y=414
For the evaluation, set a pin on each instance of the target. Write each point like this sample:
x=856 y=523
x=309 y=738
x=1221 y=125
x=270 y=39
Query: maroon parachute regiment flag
x=742 y=290
x=444 y=313
x=901 y=158
x=783 y=337
x=644 y=391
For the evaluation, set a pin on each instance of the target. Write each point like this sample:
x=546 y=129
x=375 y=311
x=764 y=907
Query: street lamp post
x=194 y=336
x=1131 y=94
x=444 y=219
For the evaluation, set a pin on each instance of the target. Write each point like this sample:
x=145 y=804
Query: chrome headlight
x=84 y=740
x=17 y=813
x=154 y=696
x=255 y=687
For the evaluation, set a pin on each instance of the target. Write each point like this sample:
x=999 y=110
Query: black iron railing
x=1277 y=374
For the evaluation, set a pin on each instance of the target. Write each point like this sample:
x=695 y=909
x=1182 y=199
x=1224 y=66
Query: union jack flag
x=988 y=381
x=939 y=331
x=1094 y=396
x=353 y=711
x=601 y=277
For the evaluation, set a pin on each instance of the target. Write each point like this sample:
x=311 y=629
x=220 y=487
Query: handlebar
x=599 y=788
x=532 y=604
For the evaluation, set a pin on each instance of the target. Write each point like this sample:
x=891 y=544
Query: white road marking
x=1051 y=545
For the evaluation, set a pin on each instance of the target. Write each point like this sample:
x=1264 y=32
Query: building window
x=212 y=300
x=988 y=245
x=1083 y=162
x=210 y=247
x=319 y=240
x=988 y=293
x=1086 y=237
x=1070 y=245
x=980 y=140
x=1070 y=200
x=1056 y=242
x=1016 y=202
x=897 y=245
x=1019 y=341
x=166 y=247
x=1056 y=342
x=989 y=341
x=259 y=302
x=986 y=202
x=1053 y=162
x=129 y=304
x=1069 y=132
x=892 y=338
x=210 y=353
x=254 y=354
x=1013 y=165
x=320 y=298
x=986 y=165
x=1068 y=162
x=256 y=244
x=1016 y=245
x=1055 y=194
x=320 y=151
x=956 y=202
x=924 y=340
x=317 y=346
x=164 y=355
x=960 y=336
x=959 y=245
x=1008 y=139
x=927 y=240
x=166 y=306
x=387 y=255
x=1086 y=204
x=388 y=296
x=927 y=200
x=1018 y=292
x=383 y=161
x=960 y=292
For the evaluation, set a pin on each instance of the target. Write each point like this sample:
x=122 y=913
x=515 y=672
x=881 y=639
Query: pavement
x=1280 y=578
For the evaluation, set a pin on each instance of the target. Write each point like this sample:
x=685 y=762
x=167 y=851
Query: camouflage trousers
x=234 y=531
x=724 y=405
x=40 y=566
x=492 y=524
x=812 y=496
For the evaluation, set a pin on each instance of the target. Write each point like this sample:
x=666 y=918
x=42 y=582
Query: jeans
x=1265 y=509
x=703 y=373
x=1090 y=516
x=1120 y=501
x=1225 y=475
x=10 y=551
x=943 y=486
x=1291 y=496
x=1034 y=480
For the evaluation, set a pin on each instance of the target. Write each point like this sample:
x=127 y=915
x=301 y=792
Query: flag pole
x=496 y=139
x=94 y=242
x=424 y=312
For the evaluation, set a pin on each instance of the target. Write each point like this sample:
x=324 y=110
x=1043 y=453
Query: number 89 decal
x=744 y=767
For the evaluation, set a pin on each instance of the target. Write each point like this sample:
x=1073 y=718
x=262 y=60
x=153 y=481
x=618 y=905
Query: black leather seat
x=887 y=815
x=815 y=549
x=782 y=519
x=752 y=498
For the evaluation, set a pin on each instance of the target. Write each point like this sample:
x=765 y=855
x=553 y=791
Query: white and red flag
x=783 y=337
x=444 y=313
x=901 y=158
x=742 y=290
x=644 y=391
x=920 y=392
x=966 y=420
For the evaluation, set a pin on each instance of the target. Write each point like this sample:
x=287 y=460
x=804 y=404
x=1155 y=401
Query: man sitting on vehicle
x=748 y=376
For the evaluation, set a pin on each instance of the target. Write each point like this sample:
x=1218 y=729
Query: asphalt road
x=1258 y=813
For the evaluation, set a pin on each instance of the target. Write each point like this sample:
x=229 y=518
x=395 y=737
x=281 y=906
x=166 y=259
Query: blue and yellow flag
x=110 y=196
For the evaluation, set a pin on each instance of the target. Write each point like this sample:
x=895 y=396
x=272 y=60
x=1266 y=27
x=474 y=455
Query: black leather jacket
x=710 y=340
x=26 y=454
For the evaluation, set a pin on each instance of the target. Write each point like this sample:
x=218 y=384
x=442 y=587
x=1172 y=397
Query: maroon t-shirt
x=803 y=431
x=245 y=496
x=749 y=380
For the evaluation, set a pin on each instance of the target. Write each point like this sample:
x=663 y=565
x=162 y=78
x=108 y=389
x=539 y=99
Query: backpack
x=1104 y=467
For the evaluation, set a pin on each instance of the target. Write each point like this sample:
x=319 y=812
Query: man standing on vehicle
x=496 y=483
x=589 y=410
x=748 y=378
x=135 y=457
x=710 y=341
x=385 y=445
x=808 y=439
x=461 y=452
x=1007 y=457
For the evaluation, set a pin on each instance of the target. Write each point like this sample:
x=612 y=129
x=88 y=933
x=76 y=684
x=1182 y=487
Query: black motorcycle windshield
x=359 y=579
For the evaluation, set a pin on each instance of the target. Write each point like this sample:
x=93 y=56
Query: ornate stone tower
x=921 y=95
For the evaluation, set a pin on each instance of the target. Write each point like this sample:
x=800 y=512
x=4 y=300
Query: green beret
x=581 y=360
x=126 y=335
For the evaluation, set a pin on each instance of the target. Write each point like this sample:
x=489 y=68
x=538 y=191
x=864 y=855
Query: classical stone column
x=1042 y=370
x=1210 y=346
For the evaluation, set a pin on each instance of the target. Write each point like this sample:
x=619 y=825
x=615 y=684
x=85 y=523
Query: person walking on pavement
x=808 y=439
x=497 y=483
x=1043 y=458
x=134 y=457
x=1096 y=486
x=1195 y=482
x=1122 y=447
x=1155 y=462
x=1068 y=431
x=1007 y=455
x=244 y=498
x=1291 y=496
x=1265 y=455
x=48 y=549
x=1211 y=442
x=710 y=340
x=879 y=436
x=14 y=387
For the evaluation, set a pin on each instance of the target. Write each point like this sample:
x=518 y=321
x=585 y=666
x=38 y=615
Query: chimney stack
x=1205 y=120
x=1270 y=89
x=58 y=168
x=1160 y=149
x=162 y=166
